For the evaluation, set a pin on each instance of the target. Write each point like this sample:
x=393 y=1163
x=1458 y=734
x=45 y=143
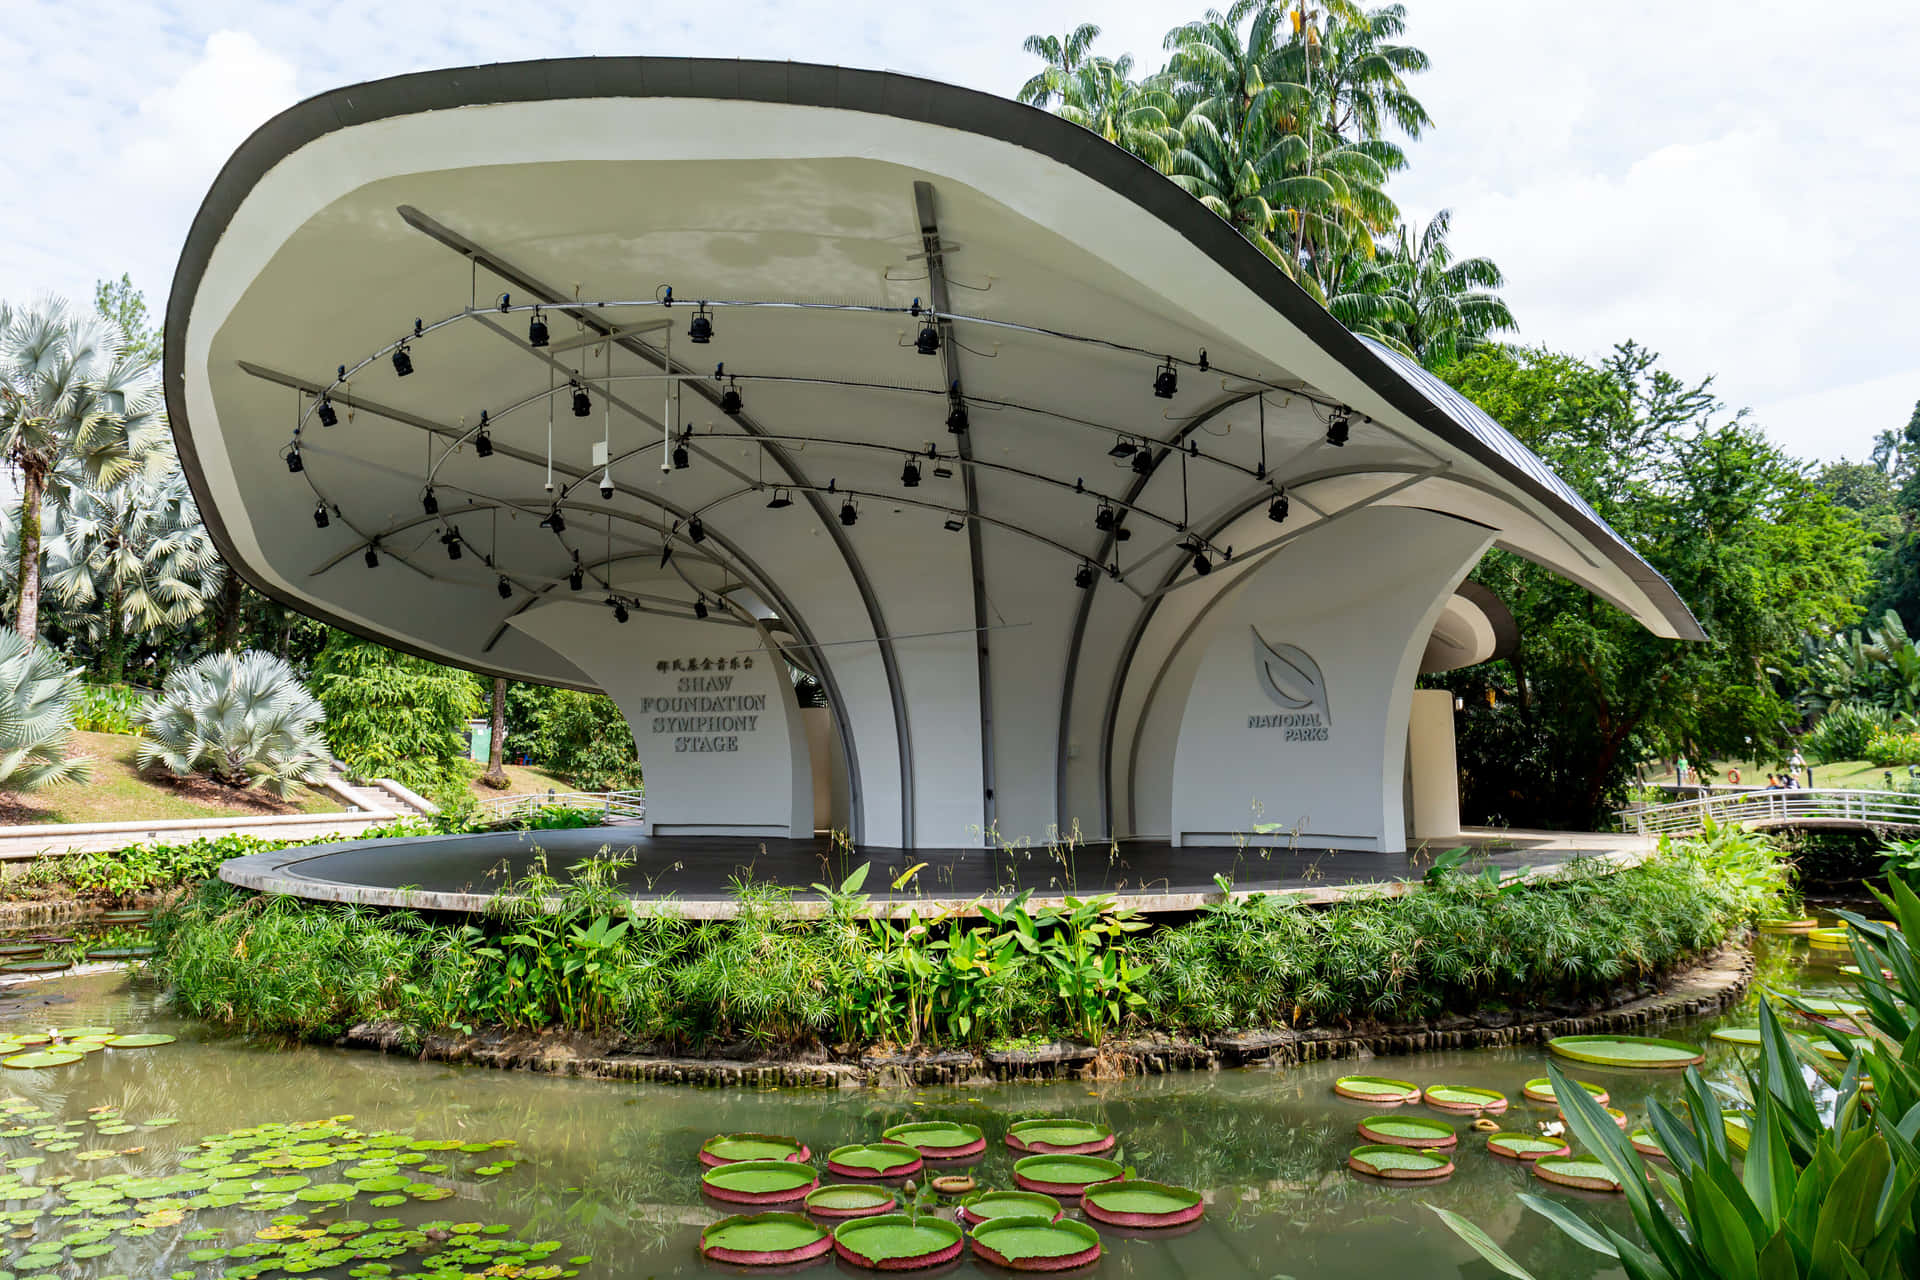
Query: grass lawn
x=1841 y=773
x=524 y=780
x=119 y=792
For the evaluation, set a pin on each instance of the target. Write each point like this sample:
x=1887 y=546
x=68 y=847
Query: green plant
x=108 y=708
x=1902 y=861
x=1887 y=747
x=392 y=715
x=245 y=720
x=36 y=710
x=1845 y=731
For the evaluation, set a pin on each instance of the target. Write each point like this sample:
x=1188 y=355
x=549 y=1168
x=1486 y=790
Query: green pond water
x=610 y=1171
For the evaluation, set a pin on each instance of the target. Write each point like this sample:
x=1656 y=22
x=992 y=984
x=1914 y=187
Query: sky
x=1735 y=185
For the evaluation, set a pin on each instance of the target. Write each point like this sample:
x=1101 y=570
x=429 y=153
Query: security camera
x=606 y=486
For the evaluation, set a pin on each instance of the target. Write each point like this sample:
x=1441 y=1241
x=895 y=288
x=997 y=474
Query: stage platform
x=695 y=875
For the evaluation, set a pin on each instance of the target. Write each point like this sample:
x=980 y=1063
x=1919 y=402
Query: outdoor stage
x=695 y=875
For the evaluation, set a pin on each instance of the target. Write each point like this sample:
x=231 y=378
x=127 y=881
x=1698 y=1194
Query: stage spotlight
x=957 y=417
x=1122 y=448
x=429 y=503
x=1083 y=576
x=909 y=474
x=1103 y=518
x=700 y=608
x=372 y=557
x=402 y=361
x=730 y=402
x=1339 y=428
x=554 y=521
x=681 y=457
x=1277 y=509
x=1143 y=462
x=849 y=513
x=954 y=524
x=1198 y=549
x=780 y=501
x=577 y=578
x=536 y=330
x=700 y=328
x=582 y=402
x=483 y=443
x=941 y=471
x=326 y=412
x=928 y=343
x=505 y=588
x=696 y=531
x=320 y=518
x=294 y=464
x=620 y=613
x=451 y=541
x=1166 y=380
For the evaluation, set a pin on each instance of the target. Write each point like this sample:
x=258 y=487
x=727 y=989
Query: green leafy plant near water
x=575 y=953
x=108 y=708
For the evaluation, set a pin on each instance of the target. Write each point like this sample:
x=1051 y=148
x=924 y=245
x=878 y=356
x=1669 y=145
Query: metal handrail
x=613 y=805
x=1775 y=808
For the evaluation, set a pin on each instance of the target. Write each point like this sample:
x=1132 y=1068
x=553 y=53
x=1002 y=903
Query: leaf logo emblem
x=1290 y=677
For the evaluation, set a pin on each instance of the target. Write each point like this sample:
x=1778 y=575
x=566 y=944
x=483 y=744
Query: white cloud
x=188 y=127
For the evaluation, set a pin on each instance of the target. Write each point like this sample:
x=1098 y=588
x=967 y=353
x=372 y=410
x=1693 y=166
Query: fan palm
x=71 y=403
x=1063 y=56
x=37 y=691
x=245 y=719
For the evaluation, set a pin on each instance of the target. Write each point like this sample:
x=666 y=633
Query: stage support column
x=1432 y=766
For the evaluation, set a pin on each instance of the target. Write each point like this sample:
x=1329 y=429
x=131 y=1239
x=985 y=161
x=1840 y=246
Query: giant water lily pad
x=1059 y=1135
x=939 y=1139
x=1635 y=1052
x=14 y=950
x=873 y=1160
x=1619 y=1117
x=764 y=1240
x=143 y=1041
x=120 y=953
x=1377 y=1090
x=1583 y=1172
x=1036 y=1244
x=1828 y=939
x=982 y=1206
x=36 y=966
x=1525 y=1146
x=1745 y=1037
x=1647 y=1143
x=759 y=1182
x=729 y=1148
x=1540 y=1089
x=42 y=1058
x=896 y=1241
x=1789 y=924
x=1399 y=1163
x=1063 y=1175
x=1460 y=1097
x=1135 y=1203
x=1408 y=1131
x=850 y=1200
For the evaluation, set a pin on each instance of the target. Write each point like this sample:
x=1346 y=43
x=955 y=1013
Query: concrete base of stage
x=695 y=876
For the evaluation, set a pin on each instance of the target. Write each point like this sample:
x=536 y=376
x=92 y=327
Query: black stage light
x=576 y=579
x=451 y=541
x=681 y=458
x=1121 y=448
x=320 y=518
x=957 y=417
x=326 y=413
x=620 y=613
x=700 y=607
x=1166 y=380
x=1103 y=518
x=429 y=503
x=910 y=474
x=781 y=499
x=1083 y=576
x=505 y=588
x=849 y=513
x=1201 y=565
x=1143 y=462
x=955 y=524
x=402 y=361
x=536 y=330
x=700 y=328
x=582 y=402
x=730 y=403
x=941 y=471
x=928 y=343
x=555 y=521
x=1338 y=430
x=1277 y=509
x=696 y=531
x=294 y=464
x=372 y=558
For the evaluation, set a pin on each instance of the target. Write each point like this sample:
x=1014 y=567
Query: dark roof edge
x=875 y=92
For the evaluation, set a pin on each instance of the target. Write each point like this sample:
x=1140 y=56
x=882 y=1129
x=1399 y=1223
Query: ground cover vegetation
x=575 y=954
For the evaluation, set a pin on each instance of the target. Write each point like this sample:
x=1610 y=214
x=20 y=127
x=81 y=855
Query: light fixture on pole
x=429 y=503
x=372 y=558
x=582 y=402
x=910 y=474
x=1278 y=508
x=325 y=412
x=1339 y=428
x=320 y=518
x=696 y=531
x=1166 y=380
x=700 y=328
x=451 y=541
x=536 y=330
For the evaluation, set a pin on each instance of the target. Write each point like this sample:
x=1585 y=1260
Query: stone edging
x=1713 y=985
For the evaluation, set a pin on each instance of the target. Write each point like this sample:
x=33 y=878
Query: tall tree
x=1415 y=296
x=1063 y=56
x=1103 y=97
x=73 y=404
x=124 y=305
x=496 y=774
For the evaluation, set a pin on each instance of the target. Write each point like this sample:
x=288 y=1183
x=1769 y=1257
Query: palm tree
x=1063 y=56
x=36 y=715
x=132 y=558
x=1103 y=97
x=1416 y=298
x=71 y=404
x=244 y=719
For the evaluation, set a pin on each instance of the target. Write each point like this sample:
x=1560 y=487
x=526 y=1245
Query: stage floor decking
x=697 y=874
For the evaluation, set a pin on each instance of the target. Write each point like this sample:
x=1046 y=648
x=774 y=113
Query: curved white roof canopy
x=813 y=206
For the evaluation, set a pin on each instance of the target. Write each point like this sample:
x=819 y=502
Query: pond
x=608 y=1171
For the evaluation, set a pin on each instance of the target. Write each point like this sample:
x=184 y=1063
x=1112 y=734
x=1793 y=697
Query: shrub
x=1885 y=748
x=37 y=692
x=1844 y=732
x=580 y=736
x=242 y=719
x=391 y=715
x=109 y=708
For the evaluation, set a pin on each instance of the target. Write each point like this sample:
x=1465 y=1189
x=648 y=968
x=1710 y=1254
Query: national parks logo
x=1292 y=679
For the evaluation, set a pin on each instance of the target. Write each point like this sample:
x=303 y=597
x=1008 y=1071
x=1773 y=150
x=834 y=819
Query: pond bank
x=1713 y=985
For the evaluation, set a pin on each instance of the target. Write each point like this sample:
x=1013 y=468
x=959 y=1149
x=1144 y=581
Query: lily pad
x=1460 y=1097
x=36 y=966
x=729 y=1148
x=1135 y=1203
x=1063 y=1175
x=1525 y=1146
x=893 y=1241
x=120 y=953
x=1377 y=1090
x=1036 y=1244
x=1059 y=1135
x=1646 y=1143
x=1828 y=939
x=1619 y=1117
x=850 y=1200
x=764 y=1240
x=1804 y=924
x=1540 y=1089
x=873 y=1160
x=1745 y=1037
x=1583 y=1172
x=939 y=1139
x=1634 y=1052
x=143 y=1041
x=759 y=1182
x=1408 y=1131
x=42 y=1058
x=982 y=1206
x=1399 y=1163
